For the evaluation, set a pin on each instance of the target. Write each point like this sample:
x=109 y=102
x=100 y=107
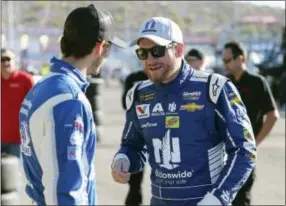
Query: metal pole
x=11 y=28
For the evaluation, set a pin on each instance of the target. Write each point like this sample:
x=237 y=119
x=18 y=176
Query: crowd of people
x=199 y=131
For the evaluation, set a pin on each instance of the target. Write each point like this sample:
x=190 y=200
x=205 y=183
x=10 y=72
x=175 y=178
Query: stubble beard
x=164 y=76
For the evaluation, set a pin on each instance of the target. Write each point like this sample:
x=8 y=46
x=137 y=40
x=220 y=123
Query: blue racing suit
x=58 y=139
x=196 y=133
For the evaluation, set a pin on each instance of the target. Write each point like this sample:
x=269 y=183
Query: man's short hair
x=236 y=48
x=194 y=54
x=83 y=28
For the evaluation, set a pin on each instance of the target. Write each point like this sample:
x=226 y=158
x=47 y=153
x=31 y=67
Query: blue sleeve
x=239 y=144
x=72 y=131
x=133 y=143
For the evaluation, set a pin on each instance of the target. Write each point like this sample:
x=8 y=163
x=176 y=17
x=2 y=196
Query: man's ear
x=98 y=49
x=241 y=58
x=180 y=50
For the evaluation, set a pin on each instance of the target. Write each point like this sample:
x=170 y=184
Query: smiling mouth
x=154 y=68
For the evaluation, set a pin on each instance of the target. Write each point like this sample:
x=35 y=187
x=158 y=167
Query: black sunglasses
x=156 y=51
x=5 y=59
x=226 y=61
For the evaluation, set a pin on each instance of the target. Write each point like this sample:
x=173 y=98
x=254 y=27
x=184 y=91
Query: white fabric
x=160 y=30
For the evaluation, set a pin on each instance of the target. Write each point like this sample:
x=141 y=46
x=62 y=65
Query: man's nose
x=150 y=57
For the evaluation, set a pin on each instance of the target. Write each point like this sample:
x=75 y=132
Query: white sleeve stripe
x=216 y=158
x=215 y=148
x=216 y=171
x=220 y=115
x=228 y=172
x=211 y=154
x=44 y=138
x=229 y=136
x=216 y=164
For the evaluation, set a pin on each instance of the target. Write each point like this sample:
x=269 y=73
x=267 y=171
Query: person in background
x=195 y=58
x=258 y=99
x=15 y=84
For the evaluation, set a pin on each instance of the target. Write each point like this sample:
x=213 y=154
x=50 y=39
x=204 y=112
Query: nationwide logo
x=191 y=95
x=148 y=124
x=192 y=107
x=172 y=122
x=177 y=175
x=142 y=111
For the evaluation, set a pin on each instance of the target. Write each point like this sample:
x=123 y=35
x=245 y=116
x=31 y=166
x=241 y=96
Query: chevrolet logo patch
x=192 y=107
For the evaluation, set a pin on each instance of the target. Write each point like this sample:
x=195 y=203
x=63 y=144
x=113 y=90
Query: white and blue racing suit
x=58 y=139
x=197 y=135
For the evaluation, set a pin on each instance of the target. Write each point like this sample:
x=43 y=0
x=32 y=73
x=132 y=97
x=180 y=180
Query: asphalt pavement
x=269 y=188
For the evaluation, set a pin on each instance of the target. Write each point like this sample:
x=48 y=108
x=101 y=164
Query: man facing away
x=258 y=99
x=56 y=122
x=186 y=121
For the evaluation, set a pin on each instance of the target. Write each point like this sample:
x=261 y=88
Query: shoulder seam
x=144 y=84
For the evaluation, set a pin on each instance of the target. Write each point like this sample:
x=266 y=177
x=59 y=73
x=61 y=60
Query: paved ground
x=269 y=188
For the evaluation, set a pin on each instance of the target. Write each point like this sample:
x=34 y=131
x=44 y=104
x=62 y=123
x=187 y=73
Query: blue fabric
x=58 y=139
x=186 y=137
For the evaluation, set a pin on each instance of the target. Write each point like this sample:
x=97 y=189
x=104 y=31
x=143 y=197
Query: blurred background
x=32 y=30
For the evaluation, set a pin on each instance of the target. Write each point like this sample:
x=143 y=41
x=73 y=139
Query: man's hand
x=120 y=167
x=209 y=199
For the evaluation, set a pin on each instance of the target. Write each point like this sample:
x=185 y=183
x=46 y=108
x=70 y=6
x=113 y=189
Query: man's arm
x=132 y=146
x=238 y=138
x=72 y=129
x=269 y=109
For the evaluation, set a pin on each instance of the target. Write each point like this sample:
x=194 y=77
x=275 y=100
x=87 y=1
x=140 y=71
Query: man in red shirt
x=15 y=85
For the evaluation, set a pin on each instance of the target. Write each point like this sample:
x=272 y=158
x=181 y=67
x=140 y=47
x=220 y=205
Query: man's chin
x=156 y=80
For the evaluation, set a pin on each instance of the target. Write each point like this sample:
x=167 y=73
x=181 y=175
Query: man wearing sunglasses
x=259 y=102
x=195 y=59
x=183 y=119
x=56 y=121
x=15 y=85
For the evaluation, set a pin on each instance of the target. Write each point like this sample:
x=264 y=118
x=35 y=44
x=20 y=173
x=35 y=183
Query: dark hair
x=84 y=27
x=81 y=32
x=195 y=53
x=235 y=47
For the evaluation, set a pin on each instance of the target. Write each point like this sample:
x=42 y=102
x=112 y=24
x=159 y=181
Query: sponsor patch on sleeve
x=74 y=153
